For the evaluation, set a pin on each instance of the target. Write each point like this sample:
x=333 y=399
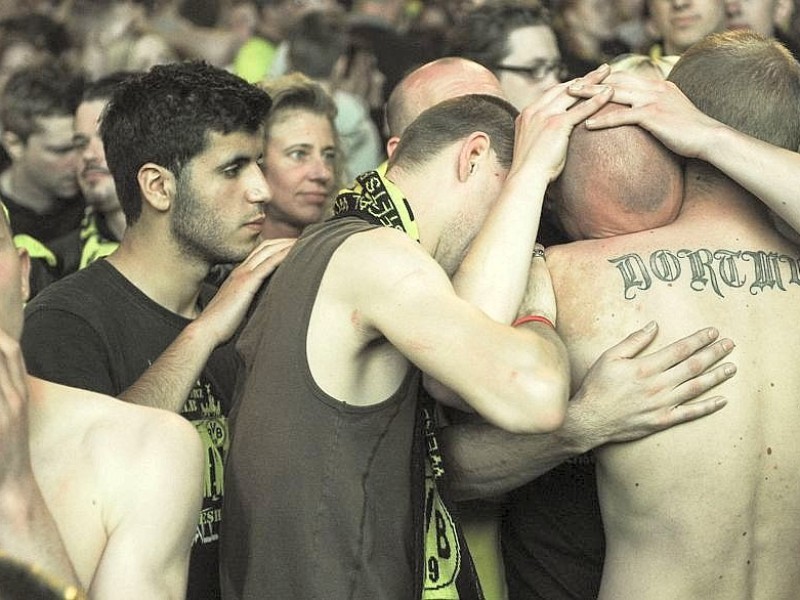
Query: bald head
x=432 y=83
x=616 y=181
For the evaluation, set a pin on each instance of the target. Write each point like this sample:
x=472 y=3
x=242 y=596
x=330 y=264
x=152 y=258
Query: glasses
x=538 y=70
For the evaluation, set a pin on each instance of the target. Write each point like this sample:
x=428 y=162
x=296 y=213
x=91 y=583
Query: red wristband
x=537 y=318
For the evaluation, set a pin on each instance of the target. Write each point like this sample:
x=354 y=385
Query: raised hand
x=544 y=127
x=658 y=106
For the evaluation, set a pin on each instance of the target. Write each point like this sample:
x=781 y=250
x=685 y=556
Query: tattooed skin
x=703 y=269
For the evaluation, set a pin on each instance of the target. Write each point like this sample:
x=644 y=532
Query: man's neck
x=161 y=271
x=25 y=192
x=415 y=189
x=709 y=192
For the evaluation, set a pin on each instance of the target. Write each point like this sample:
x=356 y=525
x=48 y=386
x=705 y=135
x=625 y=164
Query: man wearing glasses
x=515 y=41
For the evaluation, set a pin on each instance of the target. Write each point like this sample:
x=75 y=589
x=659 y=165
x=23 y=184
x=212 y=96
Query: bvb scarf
x=445 y=570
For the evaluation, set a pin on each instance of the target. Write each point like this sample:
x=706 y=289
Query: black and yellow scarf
x=444 y=566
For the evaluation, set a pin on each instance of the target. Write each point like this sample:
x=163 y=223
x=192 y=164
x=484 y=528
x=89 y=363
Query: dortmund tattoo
x=704 y=269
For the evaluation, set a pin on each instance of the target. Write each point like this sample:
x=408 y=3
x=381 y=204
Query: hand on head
x=544 y=127
x=658 y=106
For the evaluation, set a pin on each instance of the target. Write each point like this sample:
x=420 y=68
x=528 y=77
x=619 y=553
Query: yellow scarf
x=376 y=199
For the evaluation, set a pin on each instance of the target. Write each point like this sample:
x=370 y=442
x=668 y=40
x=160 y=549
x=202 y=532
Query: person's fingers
x=691 y=388
x=558 y=91
x=689 y=411
x=681 y=350
x=626 y=116
x=688 y=369
x=266 y=250
x=634 y=343
x=597 y=75
x=557 y=97
x=583 y=110
x=270 y=261
x=620 y=94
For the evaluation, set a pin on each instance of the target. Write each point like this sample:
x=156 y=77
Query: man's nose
x=257 y=191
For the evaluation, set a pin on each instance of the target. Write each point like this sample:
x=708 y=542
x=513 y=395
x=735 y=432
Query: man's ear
x=157 y=186
x=473 y=154
x=391 y=145
x=12 y=144
x=25 y=273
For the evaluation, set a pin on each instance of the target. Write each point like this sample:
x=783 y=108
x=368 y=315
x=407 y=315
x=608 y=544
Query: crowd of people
x=399 y=300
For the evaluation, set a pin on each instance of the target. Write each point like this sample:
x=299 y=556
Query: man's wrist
x=578 y=434
x=715 y=136
x=201 y=335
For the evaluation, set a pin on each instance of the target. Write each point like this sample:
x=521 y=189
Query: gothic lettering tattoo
x=704 y=269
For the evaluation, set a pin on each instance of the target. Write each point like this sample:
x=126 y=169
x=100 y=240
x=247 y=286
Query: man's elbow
x=544 y=410
x=547 y=414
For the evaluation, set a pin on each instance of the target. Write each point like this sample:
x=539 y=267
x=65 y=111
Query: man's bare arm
x=28 y=531
x=625 y=396
x=493 y=274
x=766 y=171
x=153 y=509
x=168 y=381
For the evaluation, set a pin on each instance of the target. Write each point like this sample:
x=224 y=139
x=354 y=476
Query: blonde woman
x=302 y=157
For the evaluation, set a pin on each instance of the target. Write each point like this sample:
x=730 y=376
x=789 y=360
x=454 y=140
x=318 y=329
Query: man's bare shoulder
x=384 y=244
x=104 y=465
x=382 y=258
x=135 y=433
x=575 y=264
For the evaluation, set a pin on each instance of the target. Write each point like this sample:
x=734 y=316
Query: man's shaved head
x=616 y=181
x=432 y=83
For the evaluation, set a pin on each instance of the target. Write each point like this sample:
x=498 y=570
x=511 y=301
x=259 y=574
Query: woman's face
x=299 y=164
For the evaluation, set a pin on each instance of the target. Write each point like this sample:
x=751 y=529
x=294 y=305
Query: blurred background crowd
x=357 y=48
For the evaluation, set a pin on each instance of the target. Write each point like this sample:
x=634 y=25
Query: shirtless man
x=700 y=510
x=600 y=412
x=100 y=495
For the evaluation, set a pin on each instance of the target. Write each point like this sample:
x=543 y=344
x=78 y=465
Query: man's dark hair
x=32 y=93
x=165 y=117
x=455 y=119
x=746 y=81
x=482 y=34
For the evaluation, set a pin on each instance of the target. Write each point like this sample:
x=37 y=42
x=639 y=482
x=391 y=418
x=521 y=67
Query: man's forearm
x=494 y=272
x=484 y=461
x=168 y=382
x=768 y=172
